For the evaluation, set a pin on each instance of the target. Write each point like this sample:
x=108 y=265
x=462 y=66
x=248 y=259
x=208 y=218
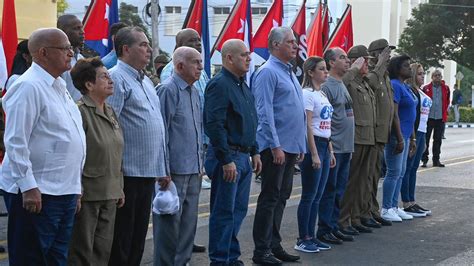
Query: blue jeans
x=396 y=166
x=229 y=203
x=313 y=182
x=330 y=204
x=40 y=239
x=409 y=179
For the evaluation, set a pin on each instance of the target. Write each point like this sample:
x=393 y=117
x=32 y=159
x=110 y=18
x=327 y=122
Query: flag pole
x=154 y=9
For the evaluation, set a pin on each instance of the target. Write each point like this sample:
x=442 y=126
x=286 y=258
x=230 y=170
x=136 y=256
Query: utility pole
x=155 y=11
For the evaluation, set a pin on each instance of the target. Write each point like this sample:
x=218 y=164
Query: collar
x=238 y=80
x=87 y=100
x=285 y=66
x=130 y=70
x=182 y=85
x=44 y=74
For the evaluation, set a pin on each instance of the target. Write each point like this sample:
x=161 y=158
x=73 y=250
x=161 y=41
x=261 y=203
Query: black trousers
x=437 y=127
x=277 y=183
x=131 y=222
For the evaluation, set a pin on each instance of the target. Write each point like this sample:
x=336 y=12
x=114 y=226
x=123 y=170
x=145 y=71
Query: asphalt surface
x=445 y=238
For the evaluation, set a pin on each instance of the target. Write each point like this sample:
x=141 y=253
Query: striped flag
x=100 y=16
x=299 y=29
x=274 y=18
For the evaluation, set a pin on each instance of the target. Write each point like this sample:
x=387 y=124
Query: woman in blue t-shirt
x=402 y=138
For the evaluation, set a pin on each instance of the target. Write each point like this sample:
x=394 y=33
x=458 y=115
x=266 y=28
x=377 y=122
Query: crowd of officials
x=91 y=143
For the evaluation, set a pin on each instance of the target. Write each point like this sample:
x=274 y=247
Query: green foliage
x=438 y=30
x=128 y=15
x=466 y=115
x=61 y=5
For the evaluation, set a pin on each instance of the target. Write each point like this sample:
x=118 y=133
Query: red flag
x=274 y=18
x=342 y=36
x=237 y=26
x=315 y=34
x=299 y=29
x=325 y=26
x=9 y=34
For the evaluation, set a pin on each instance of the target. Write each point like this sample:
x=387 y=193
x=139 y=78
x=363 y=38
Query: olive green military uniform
x=102 y=186
x=362 y=162
x=380 y=83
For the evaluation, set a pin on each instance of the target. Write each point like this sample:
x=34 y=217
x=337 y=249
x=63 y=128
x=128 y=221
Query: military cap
x=379 y=44
x=161 y=58
x=358 y=51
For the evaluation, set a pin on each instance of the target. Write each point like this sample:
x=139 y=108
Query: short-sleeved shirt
x=424 y=110
x=342 y=120
x=407 y=101
x=318 y=104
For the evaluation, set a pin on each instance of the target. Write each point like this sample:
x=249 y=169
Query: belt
x=317 y=138
x=240 y=148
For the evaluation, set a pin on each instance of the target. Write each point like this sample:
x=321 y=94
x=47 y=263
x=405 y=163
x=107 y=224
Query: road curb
x=459 y=125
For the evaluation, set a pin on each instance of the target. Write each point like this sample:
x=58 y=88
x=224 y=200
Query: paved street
x=446 y=238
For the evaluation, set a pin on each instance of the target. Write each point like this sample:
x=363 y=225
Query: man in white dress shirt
x=45 y=152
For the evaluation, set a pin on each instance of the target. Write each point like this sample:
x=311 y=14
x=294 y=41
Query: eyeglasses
x=64 y=49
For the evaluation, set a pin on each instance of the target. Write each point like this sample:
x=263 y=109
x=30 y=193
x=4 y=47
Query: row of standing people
x=154 y=129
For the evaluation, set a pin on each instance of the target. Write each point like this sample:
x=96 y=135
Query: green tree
x=438 y=30
x=61 y=5
x=466 y=83
x=128 y=15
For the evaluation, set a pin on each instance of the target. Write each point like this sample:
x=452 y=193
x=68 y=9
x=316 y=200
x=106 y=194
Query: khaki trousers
x=93 y=233
x=359 y=186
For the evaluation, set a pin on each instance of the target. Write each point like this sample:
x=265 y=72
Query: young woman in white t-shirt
x=409 y=179
x=316 y=163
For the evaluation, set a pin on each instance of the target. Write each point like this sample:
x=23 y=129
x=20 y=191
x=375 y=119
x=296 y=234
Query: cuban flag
x=197 y=19
x=274 y=18
x=100 y=15
x=238 y=26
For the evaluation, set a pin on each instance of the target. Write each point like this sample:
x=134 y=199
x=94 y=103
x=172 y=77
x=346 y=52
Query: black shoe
x=3 y=214
x=266 y=259
x=199 y=248
x=342 y=236
x=285 y=256
x=362 y=228
x=2 y=249
x=382 y=221
x=330 y=239
x=349 y=230
x=236 y=263
x=370 y=223
x=425 y=164
x=438 y=164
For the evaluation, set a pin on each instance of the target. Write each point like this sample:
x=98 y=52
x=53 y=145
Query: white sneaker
x=390 y=215
x=205 y=184
x=405 y=216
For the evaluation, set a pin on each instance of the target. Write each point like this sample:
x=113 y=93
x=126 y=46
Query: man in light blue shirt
x=138 y=109
x=110 y=59
x=281 y=137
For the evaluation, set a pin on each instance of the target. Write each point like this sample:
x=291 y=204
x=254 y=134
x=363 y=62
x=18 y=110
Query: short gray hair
x=277 y=35
x=182 y=54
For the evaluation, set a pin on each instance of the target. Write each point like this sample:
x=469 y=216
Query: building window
x=173 y=22
x=258 y=14
x=220 y=16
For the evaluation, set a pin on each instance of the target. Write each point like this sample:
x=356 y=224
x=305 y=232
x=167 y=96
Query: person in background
x=319 y=158
x=21 y=62
x=110 y=59
x=45 y=153
x=439 y=93
x=457 y=100
x=102 y=178
x=74 y=30
x=423 y=109
x=159 y=63
x=402 y=139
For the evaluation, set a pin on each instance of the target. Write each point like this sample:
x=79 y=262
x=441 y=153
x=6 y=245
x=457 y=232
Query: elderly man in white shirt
x=45 y=152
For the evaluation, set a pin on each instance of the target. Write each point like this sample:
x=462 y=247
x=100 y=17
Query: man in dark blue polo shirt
x=230 y=122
